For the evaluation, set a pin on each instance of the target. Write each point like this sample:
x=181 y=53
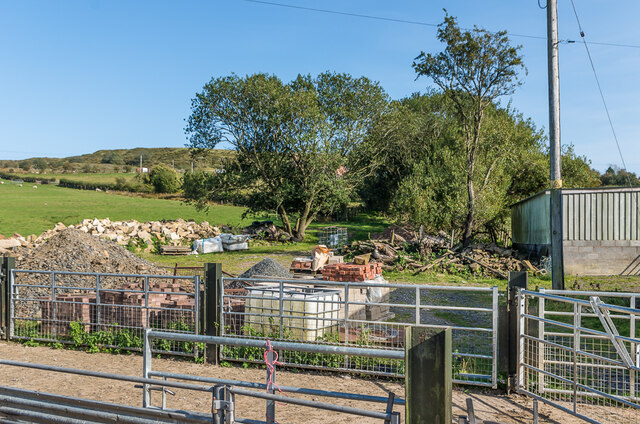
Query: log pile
x=398 y=250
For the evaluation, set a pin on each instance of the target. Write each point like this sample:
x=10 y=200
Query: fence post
x=212 y=285
x=6 y=265
x=428 y=375
x=517 y=280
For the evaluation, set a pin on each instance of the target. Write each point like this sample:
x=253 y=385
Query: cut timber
x=362 y=259
x=530 y=267
x=175 y=250
x=495 y=271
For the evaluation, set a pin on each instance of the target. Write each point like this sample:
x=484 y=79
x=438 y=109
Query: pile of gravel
x=267 y=268
x=75 y=250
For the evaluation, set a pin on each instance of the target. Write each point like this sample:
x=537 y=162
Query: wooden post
x=517 y=280
x=428 y=375
x=212 y=318
x=6 y=265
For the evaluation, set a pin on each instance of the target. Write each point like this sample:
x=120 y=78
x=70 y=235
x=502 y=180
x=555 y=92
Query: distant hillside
x=109 y=160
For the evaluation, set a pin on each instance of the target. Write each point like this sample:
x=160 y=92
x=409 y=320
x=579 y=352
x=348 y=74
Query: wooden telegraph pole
x=557 y=261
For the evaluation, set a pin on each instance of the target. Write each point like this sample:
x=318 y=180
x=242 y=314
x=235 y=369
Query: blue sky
x=79 y=76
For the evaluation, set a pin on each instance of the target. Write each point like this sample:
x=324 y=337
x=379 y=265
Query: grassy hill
x=117 y=160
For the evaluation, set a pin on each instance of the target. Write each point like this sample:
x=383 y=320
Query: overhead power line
x=595 y=74
x=411 y=22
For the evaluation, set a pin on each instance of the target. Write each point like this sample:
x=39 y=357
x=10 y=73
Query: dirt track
x=489 y=406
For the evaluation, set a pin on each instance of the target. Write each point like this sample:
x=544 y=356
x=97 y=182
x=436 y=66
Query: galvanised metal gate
x=103 y=311
x=371 y=314
x=578 y=351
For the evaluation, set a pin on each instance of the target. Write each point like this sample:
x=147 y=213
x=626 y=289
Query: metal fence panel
x=372 y=314
x=100 y=310
x=569 y=359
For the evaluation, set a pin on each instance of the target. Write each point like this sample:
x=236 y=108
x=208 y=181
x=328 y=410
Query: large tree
x=475 y=69
x=423 y=173
x=299 y=145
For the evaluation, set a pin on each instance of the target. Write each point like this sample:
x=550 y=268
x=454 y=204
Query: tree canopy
x=475 y=68
x=300 y=145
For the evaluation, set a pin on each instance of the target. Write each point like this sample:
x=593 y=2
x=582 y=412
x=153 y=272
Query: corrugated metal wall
x=588 y=214
x=601 y=215
x=530 y=220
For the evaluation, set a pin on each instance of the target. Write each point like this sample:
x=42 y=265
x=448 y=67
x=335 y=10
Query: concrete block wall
x=602 y=257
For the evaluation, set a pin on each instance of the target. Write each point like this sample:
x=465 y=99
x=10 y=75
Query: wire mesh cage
x=333 y=237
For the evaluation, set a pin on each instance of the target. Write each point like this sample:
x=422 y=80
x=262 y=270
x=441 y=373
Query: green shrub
x=164 y=180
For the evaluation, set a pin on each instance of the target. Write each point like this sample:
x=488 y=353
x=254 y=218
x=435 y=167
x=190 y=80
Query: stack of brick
x=351 y=272
x=74 y=308
x=127 y=307
x=301 y=265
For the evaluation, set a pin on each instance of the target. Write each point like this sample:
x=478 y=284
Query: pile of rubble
x=398 y=248
x=267 y=230
x=122 y=232
x=75 y=250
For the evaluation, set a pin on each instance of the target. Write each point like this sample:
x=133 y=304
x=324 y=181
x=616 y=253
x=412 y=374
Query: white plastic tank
x=307 y=313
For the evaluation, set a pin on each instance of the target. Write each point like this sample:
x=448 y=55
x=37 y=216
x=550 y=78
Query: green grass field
x=26 y=210
x=108 y=178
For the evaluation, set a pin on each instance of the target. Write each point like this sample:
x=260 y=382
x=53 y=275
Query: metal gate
x=103 y=311
x=372 y=314
x=578 y=352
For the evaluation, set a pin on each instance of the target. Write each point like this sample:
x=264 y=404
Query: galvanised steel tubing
x=591 y=293
x=590 y=393
x=107 y=375
x=494 y=337
x=104 y=304
x=554 y=297
x=582 y=302
x=360 y=284
x=92 y=289
x=290 y=389
x=312 y=404
x=132 y=349
x=106 y=274
x=472 y=355
x=582 y=364
x=399 y=324
x=472 y=383
x=548 y=374
x=39 y=416
x=404 y=324
x=482 y=376
x=587 y=330
x=557 y=405
x=585 y=315
x=82 y=414
x=398 y=305
x=588 y=354
x=301 y=347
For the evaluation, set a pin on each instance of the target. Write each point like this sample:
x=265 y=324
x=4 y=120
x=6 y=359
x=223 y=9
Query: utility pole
x=557 y=259
x=140 y=163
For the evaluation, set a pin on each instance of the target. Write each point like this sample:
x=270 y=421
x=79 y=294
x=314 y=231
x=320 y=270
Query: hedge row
x=118 y=186
x=12 y=177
